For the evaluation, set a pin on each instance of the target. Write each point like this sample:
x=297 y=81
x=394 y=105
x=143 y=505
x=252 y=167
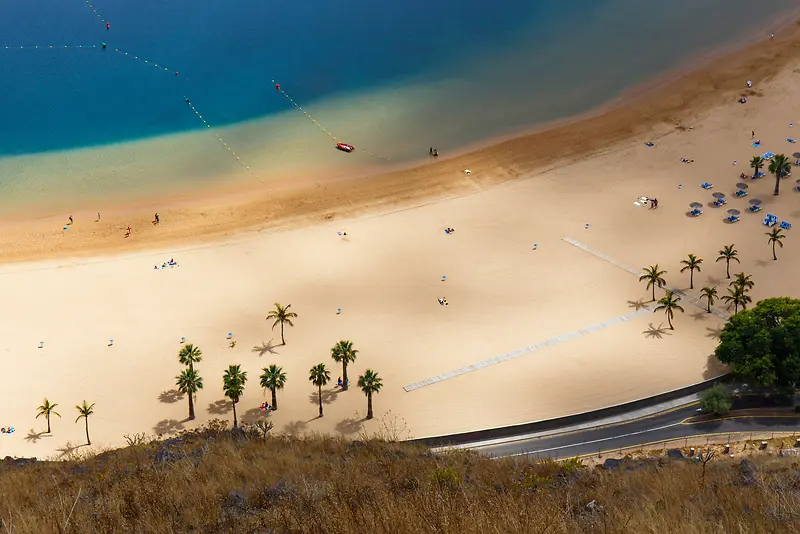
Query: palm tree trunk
x=735 y=307
x=283 y=340
x=774 y=257
x=235 y=422
x=369 y=405
x=48 y=423
x=691 y=278
x=728 y=267
x=709 y=305
x=777 y=184
x=344 y=375
x=320 y=400
x=88 y=441
x=191 y=406
x=274 y=399
x=669 y=321
x=654 y=292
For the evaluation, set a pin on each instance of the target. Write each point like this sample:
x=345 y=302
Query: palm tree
x=756 y=164
x=728 y=253
x=273 y=378
x=189 y=382
x=692 y=264
x=775 y=237
x=85 y=410
x=654 y=278
x=710 y=294
x=233 y=385
x=282 y=316
x=319 y=376
x=669 y=303
x=738 y=297
x=46 y=409
x=780 y=167
x=743 y=280
x=369 y=383
x=190 y=355
x=344 y=353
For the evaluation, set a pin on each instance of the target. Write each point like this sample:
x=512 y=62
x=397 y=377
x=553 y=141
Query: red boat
x=344 y=147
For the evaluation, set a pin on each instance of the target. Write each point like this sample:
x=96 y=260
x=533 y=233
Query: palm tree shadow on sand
x=700 y=315
x=637 y=305
x=328 y=396
x=656 y=332
x=254 y=414
x=168 y=426
x=68 y=449
x=34 y=437
x=265 y=348
x=220 y=407
x=170 y=396
x=294 y=428
x=350 y=426
x=714 y=333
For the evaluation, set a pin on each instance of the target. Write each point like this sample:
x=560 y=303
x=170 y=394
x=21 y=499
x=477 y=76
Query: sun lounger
x=741 y=193
x=791 y=140
x=770 y=220
x=760 y=174
x=706 y=185
x=733 y=218
x=785 y=225
x=754 y=209
x=720 y=202
x=768 y=155
x=695 y=212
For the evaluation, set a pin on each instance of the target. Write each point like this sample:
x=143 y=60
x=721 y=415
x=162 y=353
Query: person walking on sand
x=98 y=215
x=128 y=232
x=71 y=220
x=157 y=220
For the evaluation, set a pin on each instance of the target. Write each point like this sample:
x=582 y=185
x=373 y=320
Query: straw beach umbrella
x=742 y=185
x=755 y=201
x=696 y=205
x=733 y=212
x=718 y=195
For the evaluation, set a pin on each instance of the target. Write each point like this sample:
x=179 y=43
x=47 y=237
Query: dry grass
x=218 y=482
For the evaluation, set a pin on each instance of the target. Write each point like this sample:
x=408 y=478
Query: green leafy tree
x=189 y=382
x=762 y=345
x=669 y=304
x=84 y=411
x=190 y=355
x=710 y=294
x=756 y=164
x=273 y=378
x=344 y=353
x=233 y=385
x=716 y=400
x=780 y=167
x=691 y=264
x=47 y=409
x=369 y=383
x=282 y=316
x=737 y=296
x=654 y=277
x=775 y=238
x=319 y=376
x=728 y=254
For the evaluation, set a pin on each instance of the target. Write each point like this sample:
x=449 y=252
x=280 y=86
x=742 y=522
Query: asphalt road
x=680 y=422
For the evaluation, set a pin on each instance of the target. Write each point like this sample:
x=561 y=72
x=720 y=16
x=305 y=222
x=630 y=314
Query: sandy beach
x=238 y=252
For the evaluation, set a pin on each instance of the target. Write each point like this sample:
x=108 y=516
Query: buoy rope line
x=224 y=143
x=44 y=47
x=104 y=21
x=146 y=61
x=317 y=123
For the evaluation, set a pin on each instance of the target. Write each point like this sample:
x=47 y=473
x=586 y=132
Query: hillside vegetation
x=251 y=482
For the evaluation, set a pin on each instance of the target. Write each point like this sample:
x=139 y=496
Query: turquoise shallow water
x=393 y=78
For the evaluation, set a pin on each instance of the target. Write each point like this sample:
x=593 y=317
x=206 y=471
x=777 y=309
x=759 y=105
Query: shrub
x=716 y=400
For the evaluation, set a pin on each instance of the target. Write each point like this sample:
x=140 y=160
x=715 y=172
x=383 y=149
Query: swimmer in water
x=277 y=87
x=108 y=26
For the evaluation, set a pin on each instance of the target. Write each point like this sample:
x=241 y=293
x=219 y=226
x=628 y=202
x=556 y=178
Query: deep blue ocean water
x=226 y=54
